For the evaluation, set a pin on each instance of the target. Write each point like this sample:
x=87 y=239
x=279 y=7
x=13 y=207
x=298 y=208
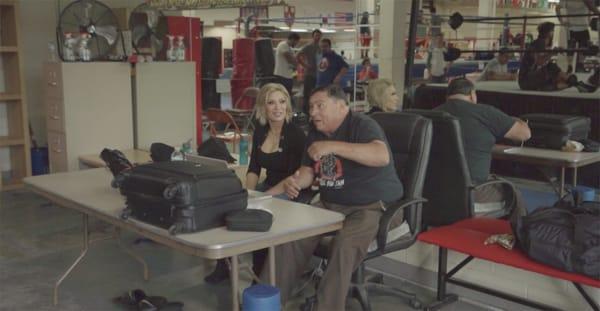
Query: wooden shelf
x=9 y=97
x=11 y=49
x=8 y=187
x=11 y=141
x=16 y=140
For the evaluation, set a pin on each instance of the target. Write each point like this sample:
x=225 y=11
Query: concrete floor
x=39 y=240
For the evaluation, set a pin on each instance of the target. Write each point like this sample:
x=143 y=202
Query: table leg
x=132 y=253
x=235 y=302
x=562 y=181
x=272 y=265
x=86 y=235
x=574 y=175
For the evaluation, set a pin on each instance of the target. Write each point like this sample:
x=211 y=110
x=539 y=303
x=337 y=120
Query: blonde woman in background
x=277 y=146
x=382 y=96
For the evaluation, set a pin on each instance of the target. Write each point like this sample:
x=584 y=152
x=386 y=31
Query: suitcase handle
x=175 y=189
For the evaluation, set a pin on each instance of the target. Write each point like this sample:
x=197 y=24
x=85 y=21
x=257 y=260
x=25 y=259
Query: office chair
x=448 y=185
x=409 y=138
x=222 y=126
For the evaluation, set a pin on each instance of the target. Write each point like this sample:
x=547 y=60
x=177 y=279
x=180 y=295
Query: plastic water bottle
x=244 y=149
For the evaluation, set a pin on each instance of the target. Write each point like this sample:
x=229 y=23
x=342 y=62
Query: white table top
x=89 y=192
x=545 y=156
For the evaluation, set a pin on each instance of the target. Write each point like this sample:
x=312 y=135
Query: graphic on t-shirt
x=323 y=64
x=330 y=172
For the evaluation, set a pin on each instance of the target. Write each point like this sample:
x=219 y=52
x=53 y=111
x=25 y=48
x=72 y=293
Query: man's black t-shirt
x=342 y=181
x=481 y=126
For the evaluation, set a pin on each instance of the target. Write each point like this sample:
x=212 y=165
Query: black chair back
x=409 y=137
x=448 y=181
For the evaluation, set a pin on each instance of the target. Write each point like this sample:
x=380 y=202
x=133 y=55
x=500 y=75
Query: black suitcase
x=181 y=196
x=553 y=130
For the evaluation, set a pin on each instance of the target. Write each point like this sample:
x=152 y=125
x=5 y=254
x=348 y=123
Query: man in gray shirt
x=307 y=58
x=497 y=69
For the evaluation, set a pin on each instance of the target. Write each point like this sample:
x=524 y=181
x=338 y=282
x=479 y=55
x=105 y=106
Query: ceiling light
x=349 y=30
x=299 y=30
x=284 y=27
x=325 y=30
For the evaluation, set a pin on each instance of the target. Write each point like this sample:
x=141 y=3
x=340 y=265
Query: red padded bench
x=467 y=236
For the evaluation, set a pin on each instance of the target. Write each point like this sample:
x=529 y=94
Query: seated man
x=350 y=156
x=497 y=69
x=482 y=126
x=539 y=73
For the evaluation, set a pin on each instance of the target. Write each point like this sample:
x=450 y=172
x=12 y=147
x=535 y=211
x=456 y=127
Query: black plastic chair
x=448 y=185
x=409 y=137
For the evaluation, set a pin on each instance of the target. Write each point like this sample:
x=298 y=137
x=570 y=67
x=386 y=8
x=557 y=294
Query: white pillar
x=486 y=8
x=394 y=20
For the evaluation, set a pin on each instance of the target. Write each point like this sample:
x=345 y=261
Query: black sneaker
x=115 y=160
x=310 y=304
x=220 y=274
x=585 y=88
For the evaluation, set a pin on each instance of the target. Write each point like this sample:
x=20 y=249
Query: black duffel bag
x=181 y=196
x=564 y=238
x=552 y=131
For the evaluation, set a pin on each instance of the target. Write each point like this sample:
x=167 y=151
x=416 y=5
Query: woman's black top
x=374 y=109
x=285 y=160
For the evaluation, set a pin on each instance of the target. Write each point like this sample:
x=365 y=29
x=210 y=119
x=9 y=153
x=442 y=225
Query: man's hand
x=319 y=149
x=291 y=186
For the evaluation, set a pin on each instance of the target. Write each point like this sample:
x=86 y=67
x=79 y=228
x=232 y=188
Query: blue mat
x=534 y=199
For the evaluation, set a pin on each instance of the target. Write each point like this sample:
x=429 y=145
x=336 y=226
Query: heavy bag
x=553 y=130
x=264 y=57
x=564 y=238
x=243 y=58
x=181 y=196
x=211 y=57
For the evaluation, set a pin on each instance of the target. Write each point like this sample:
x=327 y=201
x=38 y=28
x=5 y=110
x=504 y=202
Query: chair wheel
x=415 y=304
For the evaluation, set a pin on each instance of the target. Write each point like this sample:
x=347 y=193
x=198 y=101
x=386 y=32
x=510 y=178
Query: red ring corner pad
x=467 y=236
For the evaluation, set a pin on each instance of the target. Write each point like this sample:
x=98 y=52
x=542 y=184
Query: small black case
x=255 y=220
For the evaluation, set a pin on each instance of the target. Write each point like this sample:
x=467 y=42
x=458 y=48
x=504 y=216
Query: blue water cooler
x=261 y=297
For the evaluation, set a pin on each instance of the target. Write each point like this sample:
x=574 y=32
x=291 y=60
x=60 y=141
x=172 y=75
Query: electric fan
x=91 y=17
x=148 y=30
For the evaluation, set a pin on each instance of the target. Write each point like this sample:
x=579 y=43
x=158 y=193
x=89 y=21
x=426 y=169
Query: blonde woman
x=382 y=96
x=277 y=146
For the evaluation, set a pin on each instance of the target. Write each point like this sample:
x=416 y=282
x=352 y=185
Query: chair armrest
x=388 y=215
x=504 y=182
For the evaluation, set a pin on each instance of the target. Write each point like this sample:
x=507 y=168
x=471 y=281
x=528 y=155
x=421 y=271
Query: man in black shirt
x=350 y=156
x=481 y=126
x=537 y=71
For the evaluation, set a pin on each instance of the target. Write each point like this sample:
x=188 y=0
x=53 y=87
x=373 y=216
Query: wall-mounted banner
x=209 y=4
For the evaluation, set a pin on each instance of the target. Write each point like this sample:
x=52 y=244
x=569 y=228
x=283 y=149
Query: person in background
x=367 y=72
x=578 y=34
x=435 y=22
x=365 y=35
x=537 y=71
x=331 y=67
x=285 y=61
x=436 y=64
x=350 y=154
x=307 y=58
x=277 y=146
x=497 y=69
x=382 y=96
x=482 y=126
